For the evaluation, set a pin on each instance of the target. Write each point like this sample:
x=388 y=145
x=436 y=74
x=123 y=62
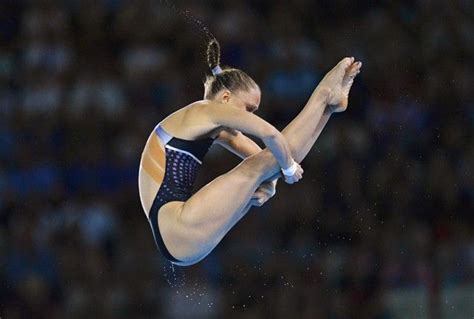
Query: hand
x=264 y=192
x=338 y=83
x=296 y=176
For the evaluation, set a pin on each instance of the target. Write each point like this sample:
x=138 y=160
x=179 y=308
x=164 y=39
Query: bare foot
x=339 y=82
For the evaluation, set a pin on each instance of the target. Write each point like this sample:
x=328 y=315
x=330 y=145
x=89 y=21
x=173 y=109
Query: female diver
x=186 y=226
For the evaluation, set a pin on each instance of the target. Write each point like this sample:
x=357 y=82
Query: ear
x=225 y=97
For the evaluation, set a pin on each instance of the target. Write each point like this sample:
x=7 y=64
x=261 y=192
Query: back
x=186 y=131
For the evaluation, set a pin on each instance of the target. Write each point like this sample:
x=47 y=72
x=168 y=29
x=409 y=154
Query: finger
x=269 y=192
x=259 y=194
x=259 y=198
x=255 y=203
x=262 y=198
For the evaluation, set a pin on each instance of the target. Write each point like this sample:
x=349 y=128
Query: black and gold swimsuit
x=173 y=163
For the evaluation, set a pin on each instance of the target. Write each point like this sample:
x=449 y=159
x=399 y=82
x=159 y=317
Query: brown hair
x=230 y=78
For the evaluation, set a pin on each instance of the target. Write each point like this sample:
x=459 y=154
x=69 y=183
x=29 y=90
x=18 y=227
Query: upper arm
x=241 y=120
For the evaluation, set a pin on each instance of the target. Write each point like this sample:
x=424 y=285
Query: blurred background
x=381 y=226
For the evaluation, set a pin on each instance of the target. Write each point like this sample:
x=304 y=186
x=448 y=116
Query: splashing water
x=176 y=278
x=191 y=20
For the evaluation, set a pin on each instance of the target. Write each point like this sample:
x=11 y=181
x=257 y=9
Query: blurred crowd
x=386 y=201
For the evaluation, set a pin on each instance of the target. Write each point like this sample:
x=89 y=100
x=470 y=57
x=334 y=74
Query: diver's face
x=245 y=100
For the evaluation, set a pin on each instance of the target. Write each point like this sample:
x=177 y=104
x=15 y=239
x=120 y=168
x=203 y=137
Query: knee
x=259 y=165
x=247 y=170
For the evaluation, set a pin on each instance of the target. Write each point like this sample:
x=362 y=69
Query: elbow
x=273 y=137
x=271 y=134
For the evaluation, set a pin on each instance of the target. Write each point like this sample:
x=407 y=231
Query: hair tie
x=216 y=70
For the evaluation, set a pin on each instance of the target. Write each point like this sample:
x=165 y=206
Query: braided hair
x=223 y=77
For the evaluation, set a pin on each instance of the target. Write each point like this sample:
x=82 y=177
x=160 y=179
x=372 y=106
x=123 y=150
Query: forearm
x=246 y=148
x=238 y=143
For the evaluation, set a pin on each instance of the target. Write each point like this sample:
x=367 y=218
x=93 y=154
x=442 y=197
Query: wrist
x=290 y=171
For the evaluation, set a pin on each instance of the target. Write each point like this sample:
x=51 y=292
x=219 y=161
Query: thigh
x=228 y=194
x=190 y=230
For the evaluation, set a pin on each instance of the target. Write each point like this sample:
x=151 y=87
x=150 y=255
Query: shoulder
x=193 y=112
x=192 y=122
x=203 y=109
x=215 y=115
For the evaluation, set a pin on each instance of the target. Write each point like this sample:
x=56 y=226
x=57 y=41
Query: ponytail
x=213 y=54
x=223 y=78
